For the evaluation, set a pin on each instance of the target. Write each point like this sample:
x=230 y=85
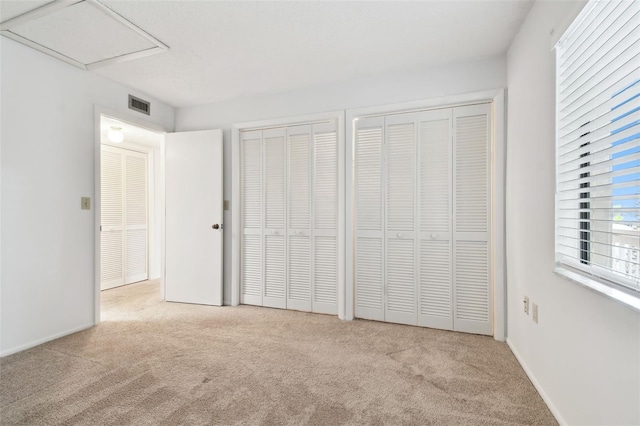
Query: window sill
x=629 y=300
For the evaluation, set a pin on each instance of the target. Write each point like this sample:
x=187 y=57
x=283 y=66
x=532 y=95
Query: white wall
x=47 y=165
x=584 y=354
x=363 y=92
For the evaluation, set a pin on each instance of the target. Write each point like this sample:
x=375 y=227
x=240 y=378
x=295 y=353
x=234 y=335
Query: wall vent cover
x=139 y=105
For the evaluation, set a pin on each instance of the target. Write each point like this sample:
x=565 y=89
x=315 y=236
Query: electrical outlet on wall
x=526 y=305
x=534 y=312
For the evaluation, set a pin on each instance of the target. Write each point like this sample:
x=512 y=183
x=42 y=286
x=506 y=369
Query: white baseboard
x=537 y=385
x=37 y=342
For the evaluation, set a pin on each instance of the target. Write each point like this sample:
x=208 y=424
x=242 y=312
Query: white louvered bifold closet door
x=471 y=191
x=435 y=300
x=289 y=212
x=136 y=250
x=124 y=217
x=325 y=219
x=400 y=184
x=422 y=199
x=112 y=219
x=299 y=218
x=369 y=219
x=251 y=266
x=275 y=253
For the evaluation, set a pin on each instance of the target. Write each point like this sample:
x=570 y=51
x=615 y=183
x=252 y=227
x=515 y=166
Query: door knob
x=216 y=226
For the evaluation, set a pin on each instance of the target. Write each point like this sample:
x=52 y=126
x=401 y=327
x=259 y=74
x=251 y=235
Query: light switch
x=85 y=203
x=226 y=204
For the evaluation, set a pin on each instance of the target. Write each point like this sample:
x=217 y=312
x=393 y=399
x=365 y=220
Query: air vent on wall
x=139 y=105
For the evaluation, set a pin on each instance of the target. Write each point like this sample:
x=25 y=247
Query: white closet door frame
x=236 y=231
x=497 y=98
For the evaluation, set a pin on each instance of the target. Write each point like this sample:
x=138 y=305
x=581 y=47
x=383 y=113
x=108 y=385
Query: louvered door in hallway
x=124 y=215
x=422 y=200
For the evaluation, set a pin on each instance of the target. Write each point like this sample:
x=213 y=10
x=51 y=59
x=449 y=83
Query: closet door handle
x=216 y=226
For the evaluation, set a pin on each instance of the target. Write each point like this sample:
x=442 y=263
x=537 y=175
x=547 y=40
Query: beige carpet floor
x=156 y=363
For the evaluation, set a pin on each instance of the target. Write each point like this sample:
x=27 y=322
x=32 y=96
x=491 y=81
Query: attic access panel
x=84 y=33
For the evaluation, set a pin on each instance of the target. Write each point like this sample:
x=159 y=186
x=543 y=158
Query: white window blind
x=598 y=144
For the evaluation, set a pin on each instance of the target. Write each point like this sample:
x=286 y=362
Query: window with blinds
x=598 y=144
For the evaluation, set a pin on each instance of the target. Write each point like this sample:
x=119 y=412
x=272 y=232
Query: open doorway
x=131 y=205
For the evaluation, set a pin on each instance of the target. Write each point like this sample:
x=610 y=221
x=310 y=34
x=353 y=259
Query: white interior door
x=194 y=228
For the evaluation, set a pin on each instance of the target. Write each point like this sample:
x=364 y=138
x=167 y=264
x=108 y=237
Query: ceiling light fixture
x=115 y=135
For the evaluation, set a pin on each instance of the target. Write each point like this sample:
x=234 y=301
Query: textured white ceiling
x=220 y=50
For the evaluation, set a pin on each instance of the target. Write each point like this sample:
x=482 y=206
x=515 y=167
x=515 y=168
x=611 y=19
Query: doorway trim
x=129 y=118
x=236 y=128
x=497 y=98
